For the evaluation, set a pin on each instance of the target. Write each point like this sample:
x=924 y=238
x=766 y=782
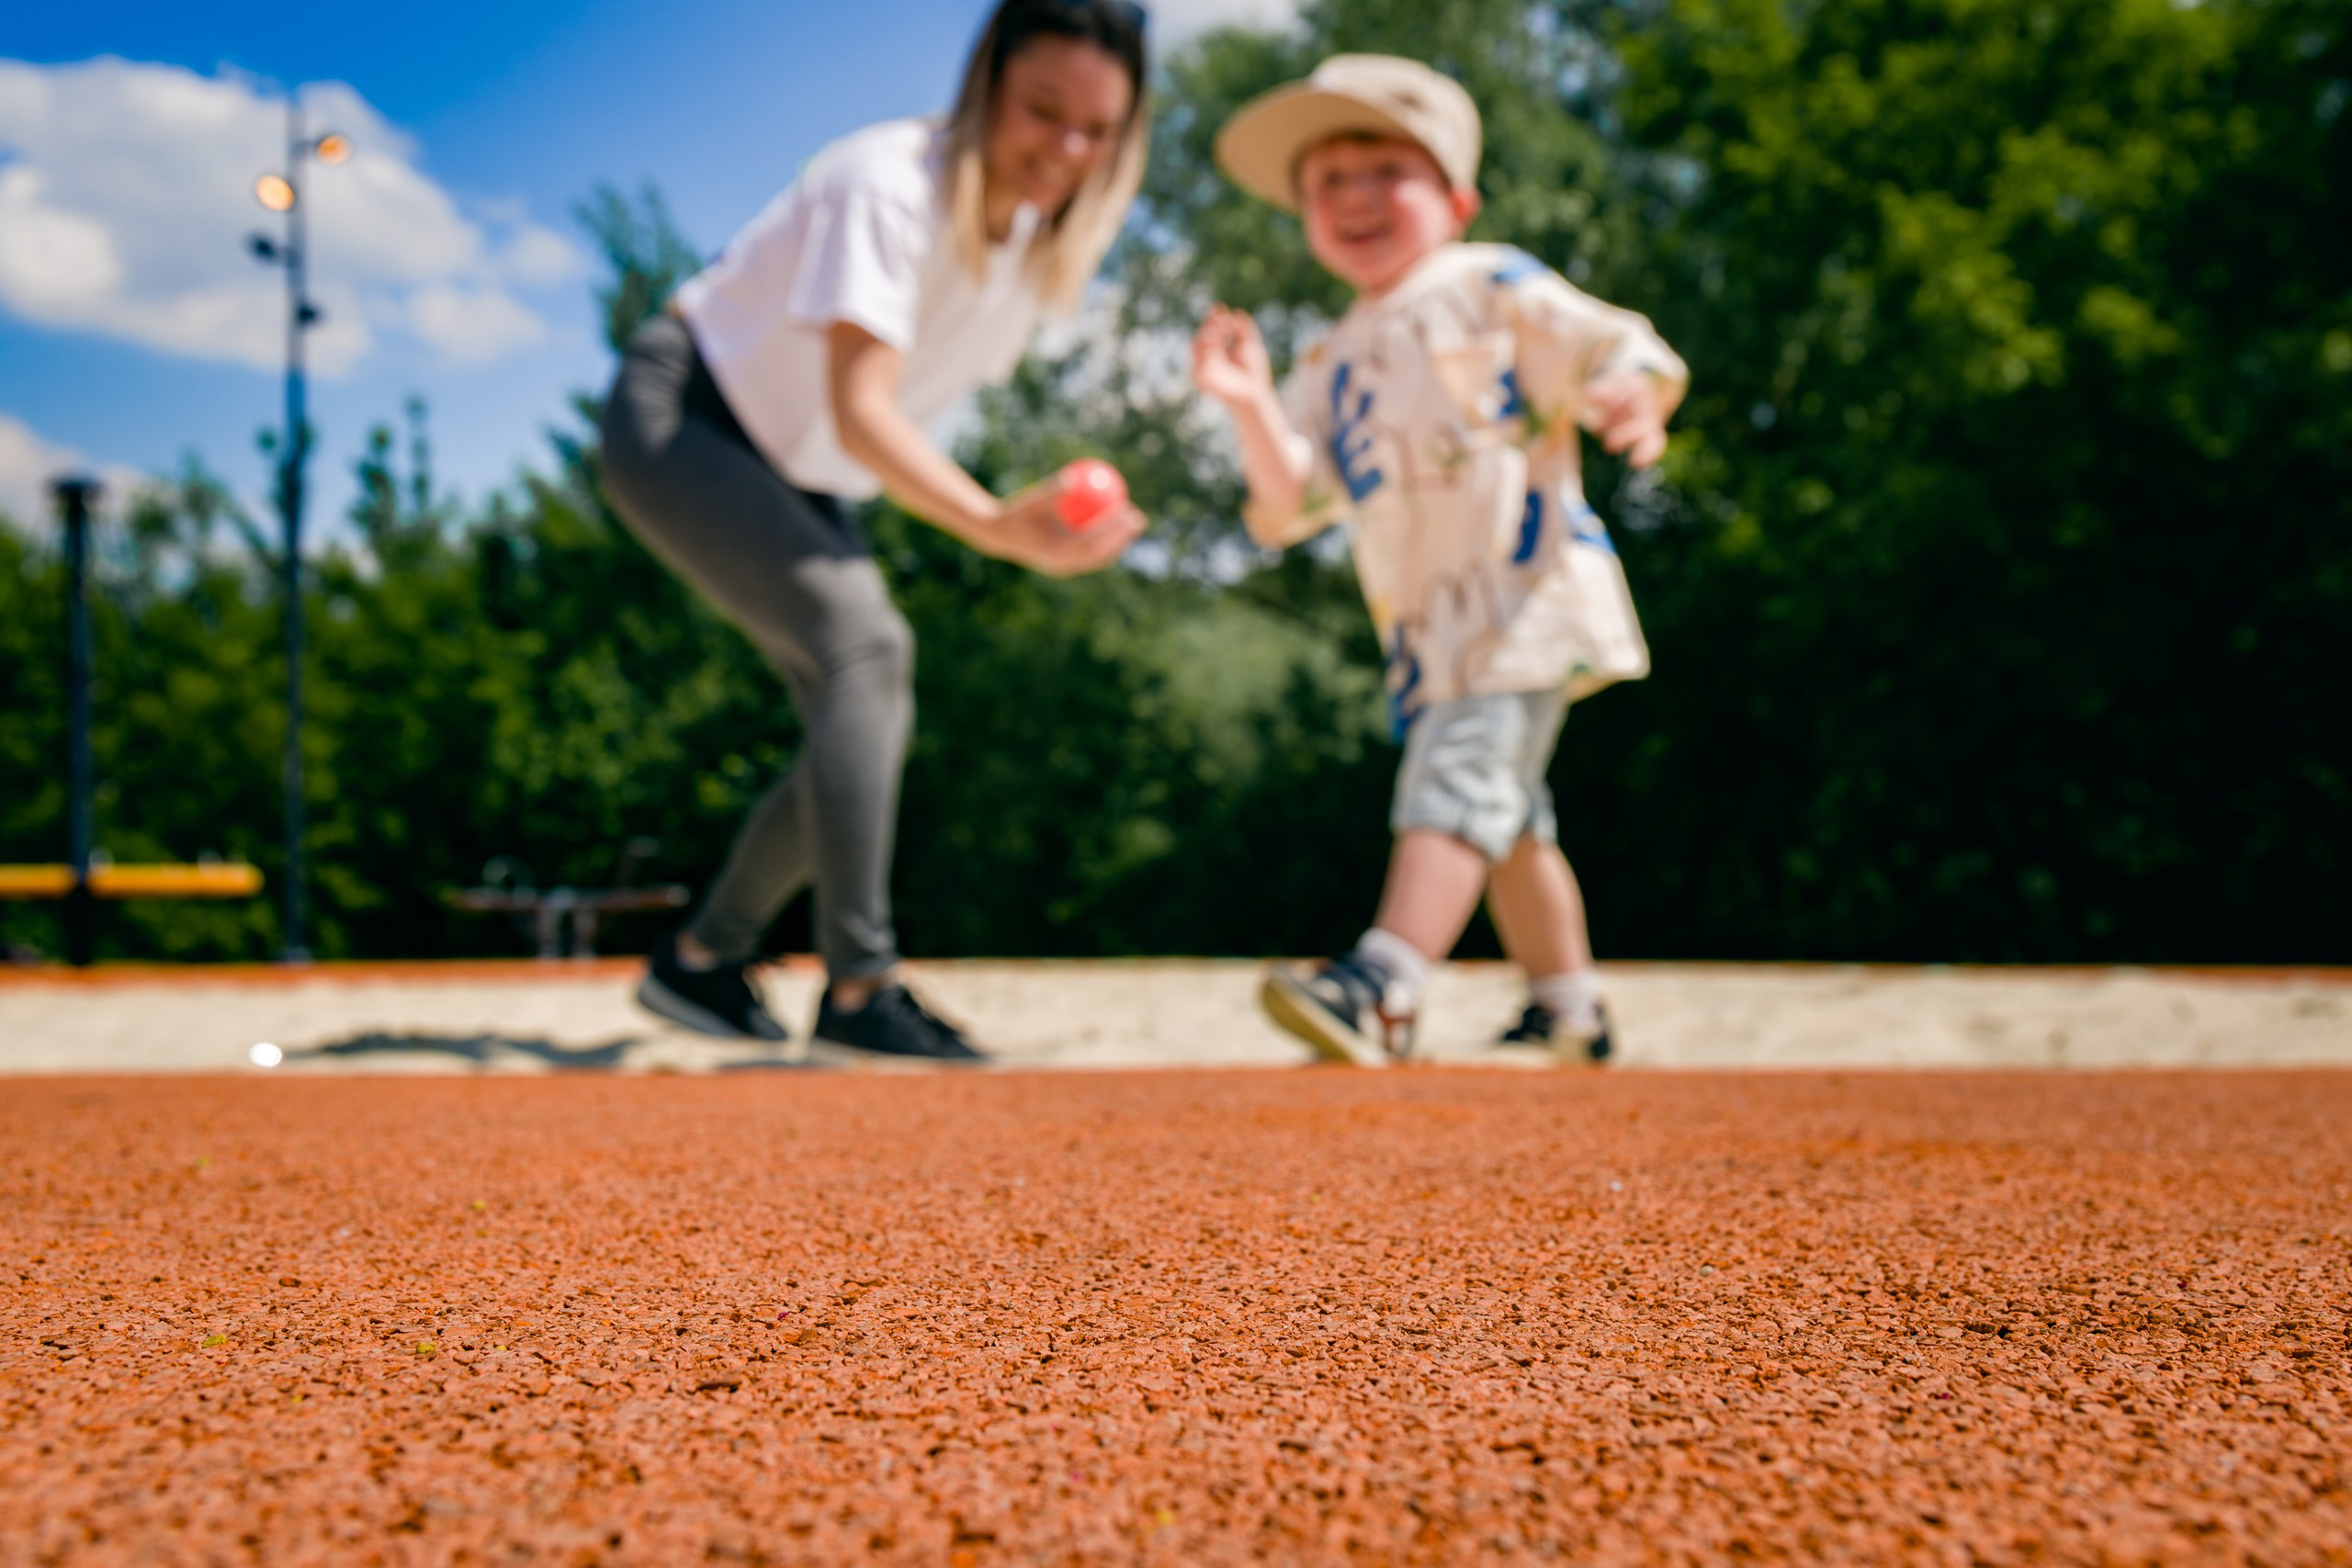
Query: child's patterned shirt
x=1444 y=420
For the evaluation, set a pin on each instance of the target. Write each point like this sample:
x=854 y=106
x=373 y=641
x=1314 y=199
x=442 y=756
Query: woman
x=906 y=268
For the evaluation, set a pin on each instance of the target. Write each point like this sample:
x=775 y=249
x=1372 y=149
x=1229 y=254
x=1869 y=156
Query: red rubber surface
x=1308 y=1317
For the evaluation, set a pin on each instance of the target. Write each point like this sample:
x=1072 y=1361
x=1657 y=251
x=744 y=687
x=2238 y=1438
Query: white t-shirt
x=862 y=236
x=1444 y=419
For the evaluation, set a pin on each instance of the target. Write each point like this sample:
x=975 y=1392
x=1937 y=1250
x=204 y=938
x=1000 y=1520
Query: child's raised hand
x=1627 y=410
x=1230 y=361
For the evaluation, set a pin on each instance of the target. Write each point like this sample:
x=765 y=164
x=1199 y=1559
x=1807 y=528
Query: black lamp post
x=74 y=498
x=283 y=193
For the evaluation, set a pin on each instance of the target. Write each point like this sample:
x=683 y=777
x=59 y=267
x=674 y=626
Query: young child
x=1440 y=416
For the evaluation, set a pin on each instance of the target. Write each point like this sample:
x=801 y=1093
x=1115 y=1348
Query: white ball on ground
x=265 y=1055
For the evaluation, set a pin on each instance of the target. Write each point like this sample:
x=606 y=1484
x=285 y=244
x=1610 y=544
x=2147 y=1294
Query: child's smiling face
x=1374 y=206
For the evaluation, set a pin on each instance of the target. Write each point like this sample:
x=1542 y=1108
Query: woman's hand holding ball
x=1079 y=521
x=1091 y=490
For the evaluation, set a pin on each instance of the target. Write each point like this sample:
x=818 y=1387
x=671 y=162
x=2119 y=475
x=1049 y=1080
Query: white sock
x=1573 y=998
x=1406 y=968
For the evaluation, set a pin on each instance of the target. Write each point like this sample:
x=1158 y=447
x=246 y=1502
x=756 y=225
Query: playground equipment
x=81 y=889
x=507 y=889
x=207 y=879
x=86 y=877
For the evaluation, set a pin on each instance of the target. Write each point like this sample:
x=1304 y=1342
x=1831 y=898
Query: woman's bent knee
x=885 y=654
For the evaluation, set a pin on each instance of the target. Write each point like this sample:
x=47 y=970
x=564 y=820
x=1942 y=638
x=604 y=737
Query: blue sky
x=133 y=331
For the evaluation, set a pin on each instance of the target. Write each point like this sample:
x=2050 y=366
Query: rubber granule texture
x=1307 y=1318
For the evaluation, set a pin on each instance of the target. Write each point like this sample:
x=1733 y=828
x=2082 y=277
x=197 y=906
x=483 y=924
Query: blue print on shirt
x=1404 y=686
x=1516 y=265
x=1584 y=527
x=1514 y=404
x=1531 y=529
x=1351 y=444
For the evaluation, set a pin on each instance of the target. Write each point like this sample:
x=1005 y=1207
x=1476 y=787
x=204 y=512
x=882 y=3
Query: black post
x=299 y=316
x=283 y=193
x=73 y=497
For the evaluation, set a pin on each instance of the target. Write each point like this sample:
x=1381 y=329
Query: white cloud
x=538 y=255
x=126 y=197
x=28 y=465
x=1175 y=21
x=472 y=325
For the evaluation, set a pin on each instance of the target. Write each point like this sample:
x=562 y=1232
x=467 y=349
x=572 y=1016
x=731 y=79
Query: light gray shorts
x=1474 y=768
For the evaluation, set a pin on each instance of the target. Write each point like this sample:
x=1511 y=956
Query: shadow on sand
x=482 y=1049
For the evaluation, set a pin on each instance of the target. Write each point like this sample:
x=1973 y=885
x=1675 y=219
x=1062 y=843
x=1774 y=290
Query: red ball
x=1091 y=490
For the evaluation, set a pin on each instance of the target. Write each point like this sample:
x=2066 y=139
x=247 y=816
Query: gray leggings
x=786 y=566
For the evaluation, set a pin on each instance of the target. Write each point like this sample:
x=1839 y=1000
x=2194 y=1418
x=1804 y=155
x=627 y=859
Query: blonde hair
x=1070 y=244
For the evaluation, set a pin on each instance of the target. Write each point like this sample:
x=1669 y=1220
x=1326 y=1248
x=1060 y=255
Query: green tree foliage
x=1997 y=582
x=532 y=685
x=646 y=255
x=1131 y=763
x=186 y=729
x=32 y=717
x=2014 y=580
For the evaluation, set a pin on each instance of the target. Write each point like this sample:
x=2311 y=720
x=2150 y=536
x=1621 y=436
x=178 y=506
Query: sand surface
x=1437 y=1315
x=530 y=1017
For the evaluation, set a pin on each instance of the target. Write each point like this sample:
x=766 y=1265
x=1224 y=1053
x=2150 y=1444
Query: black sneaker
x=1337 y=1010
x=893 y=1024
x=720 y=1001
x=1540 y=1026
